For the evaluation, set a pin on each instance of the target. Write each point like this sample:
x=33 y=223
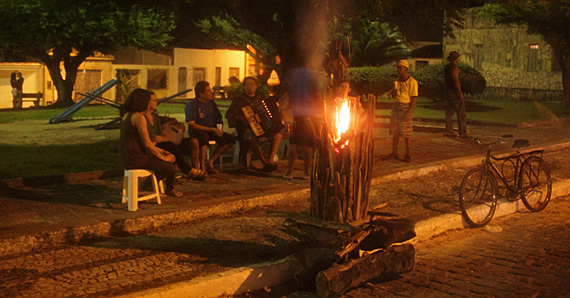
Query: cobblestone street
x=522 y=255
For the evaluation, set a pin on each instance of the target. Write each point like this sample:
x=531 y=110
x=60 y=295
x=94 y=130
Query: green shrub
x=431 y=80
x=236 y=89
x=371 y=79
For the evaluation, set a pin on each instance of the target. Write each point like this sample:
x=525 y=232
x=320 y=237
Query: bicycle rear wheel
x=535 y=184
x=478 y=197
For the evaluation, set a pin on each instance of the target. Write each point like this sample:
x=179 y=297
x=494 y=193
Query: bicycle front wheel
x=535 y=184
x=478 y=197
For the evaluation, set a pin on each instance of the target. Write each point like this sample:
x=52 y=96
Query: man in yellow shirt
x=405 y=94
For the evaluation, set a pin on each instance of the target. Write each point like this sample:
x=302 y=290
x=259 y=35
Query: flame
x=342 y=120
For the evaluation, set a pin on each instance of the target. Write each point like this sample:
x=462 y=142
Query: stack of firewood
x=342 y=173
x=342 y=243
x=340 y=256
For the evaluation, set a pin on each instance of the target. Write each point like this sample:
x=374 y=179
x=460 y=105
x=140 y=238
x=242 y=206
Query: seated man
x=168 y=134
x=246 y=137
x=204 y=124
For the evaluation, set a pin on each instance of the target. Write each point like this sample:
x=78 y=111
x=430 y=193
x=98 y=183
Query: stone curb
x=234 y=281
x=59 y=179
x=143 y=224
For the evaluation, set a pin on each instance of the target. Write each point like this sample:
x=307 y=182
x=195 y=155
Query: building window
x=182 y=79
x=156 y=79
x=218 y=77
x=554 y=65
x=532 y=64
x=87 y=81
x=478 y=56
x=234 y=72
x=198 y=74
x=420 y=64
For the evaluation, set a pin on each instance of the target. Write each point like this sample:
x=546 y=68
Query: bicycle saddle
x=519 y=143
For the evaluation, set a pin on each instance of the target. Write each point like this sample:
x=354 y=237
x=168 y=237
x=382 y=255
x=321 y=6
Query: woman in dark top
x=136 y=150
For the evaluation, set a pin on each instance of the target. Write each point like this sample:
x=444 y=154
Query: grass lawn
x=27 y=161
x=505 y=112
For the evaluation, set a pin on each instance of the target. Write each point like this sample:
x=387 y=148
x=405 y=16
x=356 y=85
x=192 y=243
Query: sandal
x=174 y=193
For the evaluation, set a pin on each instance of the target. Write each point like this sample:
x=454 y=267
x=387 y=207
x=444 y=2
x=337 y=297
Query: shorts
x=204 y=137
x=397 y=121
x=304 y=132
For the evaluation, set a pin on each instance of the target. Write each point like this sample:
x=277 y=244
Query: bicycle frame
x=520 y=158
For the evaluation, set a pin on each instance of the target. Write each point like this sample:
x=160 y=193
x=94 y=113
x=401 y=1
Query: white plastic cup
x=220 y=126
x=395 y=85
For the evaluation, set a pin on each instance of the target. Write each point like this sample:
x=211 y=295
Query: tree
x=63 y=33
x=551 y=19
x=225 y=28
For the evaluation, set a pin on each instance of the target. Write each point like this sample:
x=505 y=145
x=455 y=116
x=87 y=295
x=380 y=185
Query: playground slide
x=173 y=96
x=83 y=102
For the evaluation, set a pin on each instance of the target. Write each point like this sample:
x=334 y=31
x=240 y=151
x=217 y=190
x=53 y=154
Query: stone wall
x=503 y=53
x=499 y=93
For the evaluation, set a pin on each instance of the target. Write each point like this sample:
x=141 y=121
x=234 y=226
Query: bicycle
x=530 y=182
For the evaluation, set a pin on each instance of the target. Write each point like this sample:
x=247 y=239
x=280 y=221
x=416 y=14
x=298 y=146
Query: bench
x=37 y=97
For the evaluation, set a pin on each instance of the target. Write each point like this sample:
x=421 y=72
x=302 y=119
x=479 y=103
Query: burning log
x=342 y=175
x=349 y=246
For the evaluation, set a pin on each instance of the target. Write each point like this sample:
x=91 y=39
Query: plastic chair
x=131 y=188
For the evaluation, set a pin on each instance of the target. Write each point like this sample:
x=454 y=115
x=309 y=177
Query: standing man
x=246 y=137
x=205 y=124
x=454 y=100
x=306 y=105
x=405 y=93
x=17 y=82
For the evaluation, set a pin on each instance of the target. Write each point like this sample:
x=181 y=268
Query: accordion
x=263 y=116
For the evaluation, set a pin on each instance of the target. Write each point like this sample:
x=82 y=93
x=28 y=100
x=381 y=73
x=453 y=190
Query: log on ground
x=340 y=278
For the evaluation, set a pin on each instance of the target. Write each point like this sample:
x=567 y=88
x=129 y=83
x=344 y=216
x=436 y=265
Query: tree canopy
x=297 y=30
x=66 y=32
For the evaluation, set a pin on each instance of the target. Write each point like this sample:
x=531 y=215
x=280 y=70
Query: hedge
x=378 y=80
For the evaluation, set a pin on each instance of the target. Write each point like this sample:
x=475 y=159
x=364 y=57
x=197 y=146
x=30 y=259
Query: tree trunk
x=63 y=86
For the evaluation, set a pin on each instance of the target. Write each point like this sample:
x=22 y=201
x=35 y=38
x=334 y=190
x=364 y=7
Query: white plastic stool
x=131 y=188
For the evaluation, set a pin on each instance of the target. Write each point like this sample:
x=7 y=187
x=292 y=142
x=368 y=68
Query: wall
x=132 y=55
x=504 y=53
x=192 y=59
